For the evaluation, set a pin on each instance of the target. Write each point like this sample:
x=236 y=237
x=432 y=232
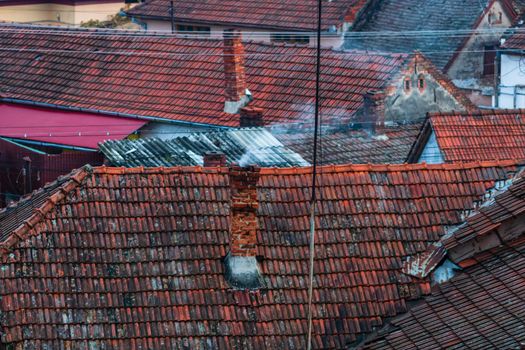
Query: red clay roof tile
x=484 y=135
x=180 y=78
x=132 y=257
x=287 y=15
x=481 y=307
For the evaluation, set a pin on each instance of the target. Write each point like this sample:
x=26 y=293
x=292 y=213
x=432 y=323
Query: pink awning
x=61 y=127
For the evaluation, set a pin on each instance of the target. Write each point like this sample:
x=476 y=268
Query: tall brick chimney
x=242 y=270
x=235 y=78
x=214 y=159
x=372 y=115
x=251 y=117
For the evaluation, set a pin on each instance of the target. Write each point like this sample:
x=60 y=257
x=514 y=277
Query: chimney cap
x=214 y=159
x=251 y=116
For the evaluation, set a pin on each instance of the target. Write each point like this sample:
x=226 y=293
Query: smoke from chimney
x=372 y=114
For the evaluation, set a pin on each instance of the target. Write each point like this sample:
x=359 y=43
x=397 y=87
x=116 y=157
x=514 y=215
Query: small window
x=421 y=84
x=494 y=18
x=407 y=84
x=290 y=39
x=189 y=29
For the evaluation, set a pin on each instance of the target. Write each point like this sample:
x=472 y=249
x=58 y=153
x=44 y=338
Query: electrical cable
x=314 y=178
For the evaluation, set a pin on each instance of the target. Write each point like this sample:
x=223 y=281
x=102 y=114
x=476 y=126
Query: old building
x=479 y=303
x=469 y=137
x=459 y=37
x=168 y=82
x=264 y=20
x=510 y=82
x=125 y=258
x=59 y=12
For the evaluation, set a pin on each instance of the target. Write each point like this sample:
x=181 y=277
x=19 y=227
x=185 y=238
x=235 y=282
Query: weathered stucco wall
x=469 y=62
x=402 y=104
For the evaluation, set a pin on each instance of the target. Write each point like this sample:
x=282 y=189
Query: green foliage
x=116 y=21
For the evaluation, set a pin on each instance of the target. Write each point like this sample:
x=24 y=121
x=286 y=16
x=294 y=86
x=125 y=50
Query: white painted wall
x=328 y=40
x=431 y=153
x=511 y=89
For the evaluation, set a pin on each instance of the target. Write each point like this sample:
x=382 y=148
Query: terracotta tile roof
x=503 y=207
x=483 y=135
x=11 y=217
x=241 y=146
x=418 y=16
x=125 y=258
x=506 y=201
x=390 y=146
x=489 y=245
x=284 y=15
x=514 y=41
x=481 y=307
x=180 y=78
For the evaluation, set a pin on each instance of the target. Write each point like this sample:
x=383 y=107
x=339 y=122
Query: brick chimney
x=372 y=115
x=251 y=117
x=214 y=159
x=235 y=78
x=242 y=269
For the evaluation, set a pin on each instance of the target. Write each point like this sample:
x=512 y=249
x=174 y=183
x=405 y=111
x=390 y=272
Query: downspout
x=497 y=79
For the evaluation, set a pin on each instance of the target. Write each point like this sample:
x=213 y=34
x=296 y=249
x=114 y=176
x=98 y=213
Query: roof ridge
x=159 y=170
x=71 y=182
x=307 y=169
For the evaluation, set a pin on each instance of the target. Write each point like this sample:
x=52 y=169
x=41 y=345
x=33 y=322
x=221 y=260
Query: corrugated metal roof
x=241 y=146
x=70 y=128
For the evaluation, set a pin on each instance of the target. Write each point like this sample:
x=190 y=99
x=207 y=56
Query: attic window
x=495 y=18
x=406 y=84
x=421 y=84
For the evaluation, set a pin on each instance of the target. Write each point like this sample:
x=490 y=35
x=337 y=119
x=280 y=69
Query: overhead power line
x=350 y=34
x=314 y=177
x=347 y=52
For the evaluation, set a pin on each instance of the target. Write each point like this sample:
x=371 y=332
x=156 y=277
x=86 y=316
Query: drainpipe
x=497 y=79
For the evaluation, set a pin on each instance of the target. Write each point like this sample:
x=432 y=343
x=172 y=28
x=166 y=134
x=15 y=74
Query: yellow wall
x=58 y=13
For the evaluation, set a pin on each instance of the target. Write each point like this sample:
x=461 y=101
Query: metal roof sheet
x=241 y=146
